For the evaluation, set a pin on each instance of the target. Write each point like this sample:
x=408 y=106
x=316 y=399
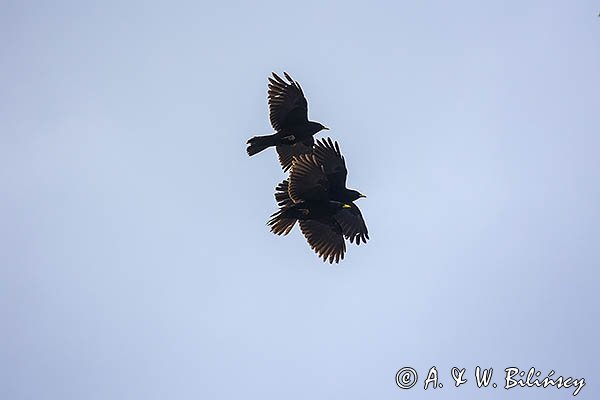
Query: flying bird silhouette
x=288 y=113
x=317 y=197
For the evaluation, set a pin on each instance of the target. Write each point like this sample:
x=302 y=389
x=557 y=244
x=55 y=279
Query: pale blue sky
x=135 y=262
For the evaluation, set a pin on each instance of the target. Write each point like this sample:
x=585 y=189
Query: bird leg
x=289 y=138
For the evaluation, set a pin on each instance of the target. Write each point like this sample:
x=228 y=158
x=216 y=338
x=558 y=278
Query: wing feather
x=325 y=238
x=327 y=153
x=353 y=224
x=287 y=153
x=287 y=105
x=308 y=181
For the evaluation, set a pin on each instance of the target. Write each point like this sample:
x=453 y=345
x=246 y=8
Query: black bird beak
x=362 y=195
x=325 y=128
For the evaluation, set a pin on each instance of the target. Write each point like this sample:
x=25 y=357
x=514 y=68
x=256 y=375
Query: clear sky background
x=134 y=258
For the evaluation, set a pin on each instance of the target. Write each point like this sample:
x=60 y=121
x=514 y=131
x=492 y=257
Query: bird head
x=318 y=127
x=355 y=194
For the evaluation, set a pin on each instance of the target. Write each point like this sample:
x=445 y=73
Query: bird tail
x=259 y=143
x=282 y=195
x=285 y=218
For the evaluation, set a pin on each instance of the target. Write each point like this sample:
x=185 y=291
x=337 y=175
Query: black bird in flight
x=318 y=222
x=323 y=176
x=288 y=112
x=317 y=186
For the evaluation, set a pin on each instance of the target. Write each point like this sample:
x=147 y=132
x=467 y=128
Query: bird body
x=298 y=134
x=319 y=210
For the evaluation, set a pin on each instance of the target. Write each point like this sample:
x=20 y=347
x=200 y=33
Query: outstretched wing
x=353 y=225
x=308 y=181
x=281 y=223
x=329 y=156
x=325 y=237
x=287 y=104
x=288 y=152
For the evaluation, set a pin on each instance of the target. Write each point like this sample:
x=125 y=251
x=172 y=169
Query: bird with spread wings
x=316 y=196
x=288 y=113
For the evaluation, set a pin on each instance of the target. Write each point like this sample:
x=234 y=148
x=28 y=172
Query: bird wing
x=353 y=225
x=288 y=152
x=329 y=156
x=308 y=181
x=287 y=104
x=325 y=237
x=281 y=223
